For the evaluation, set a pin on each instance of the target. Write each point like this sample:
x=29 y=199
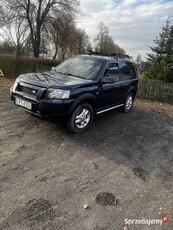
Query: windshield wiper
x=59 y=72
x=69 y=74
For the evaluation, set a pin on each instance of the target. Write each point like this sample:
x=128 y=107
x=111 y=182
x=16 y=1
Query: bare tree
x=104 y=42
x=67 y=39
x=103 y=33
x=82 y=41
x=36 y=14
x=1 y=19
x=14 y=30
x=18 y=35
x=61 y=30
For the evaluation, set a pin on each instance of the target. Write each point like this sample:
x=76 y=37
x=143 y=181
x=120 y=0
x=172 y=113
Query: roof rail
x=114 y=55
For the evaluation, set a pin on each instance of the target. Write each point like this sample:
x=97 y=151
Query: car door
x=109 y=94
x=128 y=76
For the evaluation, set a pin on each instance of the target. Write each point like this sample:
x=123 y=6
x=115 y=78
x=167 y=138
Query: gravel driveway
x=121 y=168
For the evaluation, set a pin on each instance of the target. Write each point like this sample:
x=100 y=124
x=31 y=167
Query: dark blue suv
x=78 y=88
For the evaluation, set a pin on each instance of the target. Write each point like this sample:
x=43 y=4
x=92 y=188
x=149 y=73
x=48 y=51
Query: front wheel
x=128 y=103
x=81 y=118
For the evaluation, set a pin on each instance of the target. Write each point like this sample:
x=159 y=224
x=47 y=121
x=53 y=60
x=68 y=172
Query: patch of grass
x=6 y=82
x=154 y=106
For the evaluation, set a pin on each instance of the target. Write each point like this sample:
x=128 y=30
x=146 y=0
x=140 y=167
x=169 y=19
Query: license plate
x=23 y=103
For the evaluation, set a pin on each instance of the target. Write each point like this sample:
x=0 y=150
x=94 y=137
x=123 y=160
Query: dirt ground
x=121 y=168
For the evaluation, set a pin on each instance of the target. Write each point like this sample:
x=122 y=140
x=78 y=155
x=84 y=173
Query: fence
x=155 y=90
x=13 y=66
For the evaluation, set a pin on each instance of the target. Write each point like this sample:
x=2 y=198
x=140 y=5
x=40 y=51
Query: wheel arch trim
x=84 y=98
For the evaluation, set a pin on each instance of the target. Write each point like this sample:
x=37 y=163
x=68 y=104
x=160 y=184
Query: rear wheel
x=81 y=118
x=128 y=103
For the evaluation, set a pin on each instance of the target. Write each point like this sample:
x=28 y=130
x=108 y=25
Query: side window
x=112 y=72
x=127 y=70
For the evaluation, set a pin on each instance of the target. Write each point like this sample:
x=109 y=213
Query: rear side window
x=127 y=70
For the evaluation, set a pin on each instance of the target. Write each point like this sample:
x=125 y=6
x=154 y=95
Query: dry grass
x=154 y=106
x=6 y=82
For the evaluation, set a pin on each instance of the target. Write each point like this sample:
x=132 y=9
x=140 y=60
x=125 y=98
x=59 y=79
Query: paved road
x=122 y=168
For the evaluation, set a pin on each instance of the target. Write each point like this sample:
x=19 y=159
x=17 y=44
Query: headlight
x=58 y=93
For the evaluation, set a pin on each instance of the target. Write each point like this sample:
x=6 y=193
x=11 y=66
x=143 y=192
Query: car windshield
x=82 y=67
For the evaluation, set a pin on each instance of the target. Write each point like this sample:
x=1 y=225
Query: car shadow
x=141 y=140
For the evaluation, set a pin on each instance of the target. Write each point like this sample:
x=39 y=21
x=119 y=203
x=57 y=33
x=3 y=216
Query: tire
x=81 y=118
x=128 y=103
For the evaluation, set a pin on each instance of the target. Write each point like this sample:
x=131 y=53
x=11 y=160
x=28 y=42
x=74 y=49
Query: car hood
x=51 y=78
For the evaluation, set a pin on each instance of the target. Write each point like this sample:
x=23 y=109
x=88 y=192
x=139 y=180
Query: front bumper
x=51 y=107
x=55 y=107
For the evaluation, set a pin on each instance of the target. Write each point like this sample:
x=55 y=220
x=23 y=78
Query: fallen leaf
x=85 y=206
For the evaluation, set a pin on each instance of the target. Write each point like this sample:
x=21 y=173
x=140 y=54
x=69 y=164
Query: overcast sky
x=133 y=24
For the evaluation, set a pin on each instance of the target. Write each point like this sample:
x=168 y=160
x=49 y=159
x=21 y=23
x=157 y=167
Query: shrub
x=159 y=71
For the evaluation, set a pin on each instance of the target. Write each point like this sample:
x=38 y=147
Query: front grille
x=27 y=90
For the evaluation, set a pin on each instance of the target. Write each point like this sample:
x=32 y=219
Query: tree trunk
x=55 y=54
x=36 y=45
x=36 y=49
x=63 y=53
x=36 y=53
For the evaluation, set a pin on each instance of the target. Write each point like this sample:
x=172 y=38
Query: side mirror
x=107 y=80
x=112 y=68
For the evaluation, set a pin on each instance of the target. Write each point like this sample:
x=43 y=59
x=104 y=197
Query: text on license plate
x=23 y=103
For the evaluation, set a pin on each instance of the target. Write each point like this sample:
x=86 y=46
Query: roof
x=107 y=56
